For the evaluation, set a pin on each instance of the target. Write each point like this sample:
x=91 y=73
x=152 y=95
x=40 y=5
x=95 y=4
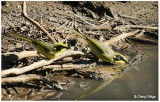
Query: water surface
x=134 y=85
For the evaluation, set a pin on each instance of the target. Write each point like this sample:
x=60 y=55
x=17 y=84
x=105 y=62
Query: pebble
x=52 y=19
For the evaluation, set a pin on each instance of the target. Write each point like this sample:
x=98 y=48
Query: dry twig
x=84 y=20
x=24 y=12
x=100 y=28
x=62 y=25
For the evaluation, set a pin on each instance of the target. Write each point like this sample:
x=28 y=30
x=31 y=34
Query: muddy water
x=139 y=84
x=134 y=85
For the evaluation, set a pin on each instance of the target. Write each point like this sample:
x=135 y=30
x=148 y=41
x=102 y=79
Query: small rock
x=52 y=19
x=83 y=85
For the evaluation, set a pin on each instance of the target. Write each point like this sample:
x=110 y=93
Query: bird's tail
x=20 y=37
x=79 y=34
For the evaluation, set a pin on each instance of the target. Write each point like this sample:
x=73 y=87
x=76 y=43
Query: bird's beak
x=68 y=47
x=127 y=62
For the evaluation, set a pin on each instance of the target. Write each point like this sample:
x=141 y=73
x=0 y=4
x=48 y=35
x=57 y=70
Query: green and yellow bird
x=46 y=49
x=101 y=50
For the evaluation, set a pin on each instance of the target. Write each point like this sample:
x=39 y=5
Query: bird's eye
x=58 y=48
x=118 y=58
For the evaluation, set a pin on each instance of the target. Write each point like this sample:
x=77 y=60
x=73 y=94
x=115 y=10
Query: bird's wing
x=104 y=49
x=43 y=46
x=95 y=44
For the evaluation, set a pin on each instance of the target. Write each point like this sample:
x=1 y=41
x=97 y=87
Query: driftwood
x=120 y=37
x=66 y=67
x=21 y=78
x=32 y=77
x=22 y=54
x=122 y=27
x=143 y=40
x=39 y=64
x=127 y=27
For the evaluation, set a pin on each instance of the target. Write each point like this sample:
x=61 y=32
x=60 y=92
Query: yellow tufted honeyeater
x=102 y=51
x=46 y=49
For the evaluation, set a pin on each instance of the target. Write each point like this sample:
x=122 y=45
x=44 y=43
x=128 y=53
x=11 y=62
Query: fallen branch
x=126 y=27
x=120 y=37
x=22 y=54
x=21 y=78
x=24 y=12
x=140 y=34
x=32 y=77
x=143 y=40
x=39 y=64
x=65 y=67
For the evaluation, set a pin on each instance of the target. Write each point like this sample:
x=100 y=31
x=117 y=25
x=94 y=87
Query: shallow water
x=135 y=84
